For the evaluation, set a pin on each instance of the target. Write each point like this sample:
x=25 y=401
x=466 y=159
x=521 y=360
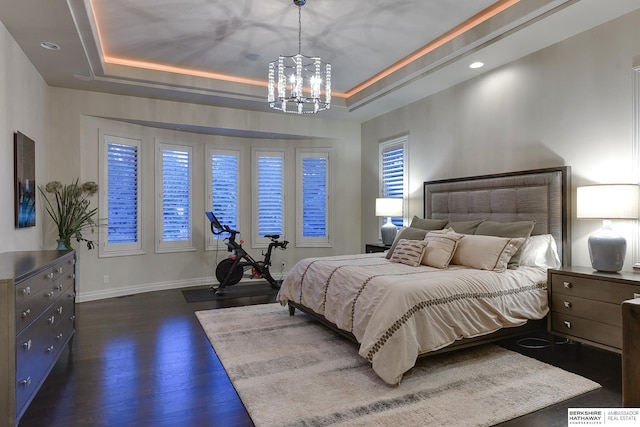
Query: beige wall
x=77 y=117
x=24 y=108
x=569 y=104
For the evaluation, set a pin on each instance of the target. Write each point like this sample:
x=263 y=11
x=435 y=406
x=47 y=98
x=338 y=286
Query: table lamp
x=389 y=207
x=606 y=202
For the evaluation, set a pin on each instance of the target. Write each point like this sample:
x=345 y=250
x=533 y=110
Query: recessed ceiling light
x=50 y=45
x=476 y=65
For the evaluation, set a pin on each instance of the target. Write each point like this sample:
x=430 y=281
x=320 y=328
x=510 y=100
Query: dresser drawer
x=603 y=312
x=28 y=289
x=594 y=289
x=589 y=330
x=30 y=307
x=39 y=346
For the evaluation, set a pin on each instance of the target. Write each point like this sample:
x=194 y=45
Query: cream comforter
x=397 y=312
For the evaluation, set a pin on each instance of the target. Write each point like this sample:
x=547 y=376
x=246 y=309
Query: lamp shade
x=608 y=201
x=388 y=206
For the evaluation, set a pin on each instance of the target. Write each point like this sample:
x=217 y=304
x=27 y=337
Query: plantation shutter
x=270 y=195
x=176 y=191
x=314 y=197
x=122 y=195
x=224 y=189
x=393 y=174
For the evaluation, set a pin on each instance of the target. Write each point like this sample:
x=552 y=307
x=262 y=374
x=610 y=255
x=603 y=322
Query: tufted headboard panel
x=542 y=195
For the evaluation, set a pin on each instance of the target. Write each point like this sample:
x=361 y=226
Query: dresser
x=586 y=305
x=37 y=314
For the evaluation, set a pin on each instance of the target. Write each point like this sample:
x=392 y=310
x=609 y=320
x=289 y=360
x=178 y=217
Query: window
x=222 y=190
x=393 y=171
x=312 y=207
x=120 y=196
x=268 y=195
x=173 y=210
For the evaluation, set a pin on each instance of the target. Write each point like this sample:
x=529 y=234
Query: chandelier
x=296 y=82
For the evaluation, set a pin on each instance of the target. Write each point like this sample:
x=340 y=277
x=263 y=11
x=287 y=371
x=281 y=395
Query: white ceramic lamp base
x=388 y=232
x=607 y=249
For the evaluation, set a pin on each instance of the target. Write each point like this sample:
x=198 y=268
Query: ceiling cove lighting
x=295 y=83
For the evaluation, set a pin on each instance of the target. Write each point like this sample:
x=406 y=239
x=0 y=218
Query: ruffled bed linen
x=397 y=312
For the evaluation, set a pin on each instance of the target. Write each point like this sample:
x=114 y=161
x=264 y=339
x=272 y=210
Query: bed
x=470 y=271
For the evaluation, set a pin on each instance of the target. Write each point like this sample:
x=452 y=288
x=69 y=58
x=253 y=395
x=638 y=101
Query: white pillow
x=486 y=252
x=540 y=251
x=442 y=245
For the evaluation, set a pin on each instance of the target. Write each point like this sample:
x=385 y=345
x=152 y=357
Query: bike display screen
x=214 y=220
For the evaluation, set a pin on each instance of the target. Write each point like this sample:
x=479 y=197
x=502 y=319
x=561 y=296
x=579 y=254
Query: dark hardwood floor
x=144 y=360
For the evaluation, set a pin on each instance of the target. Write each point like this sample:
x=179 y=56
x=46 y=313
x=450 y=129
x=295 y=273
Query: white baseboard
x=152 y=287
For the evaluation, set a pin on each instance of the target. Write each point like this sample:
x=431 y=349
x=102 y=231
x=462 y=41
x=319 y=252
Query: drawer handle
x=26 y=382
x=567 y=285
x=26 y=346
x=59 y=336
x=58 y=287
x=49 y=276
x=26 y=313
x=59 y=270
x=51 y=320
x=25 y=291
x=72 y=318
x=567 y=304
x=50 y=294
x=567 y=324
x=49 y=349
x=59 y=310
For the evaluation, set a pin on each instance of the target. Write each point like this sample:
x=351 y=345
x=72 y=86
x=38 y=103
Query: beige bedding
x=397 y=312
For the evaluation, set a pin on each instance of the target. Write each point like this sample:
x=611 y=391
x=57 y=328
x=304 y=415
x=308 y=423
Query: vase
x=62 y=246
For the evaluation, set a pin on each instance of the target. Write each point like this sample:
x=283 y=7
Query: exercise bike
x=230 y=270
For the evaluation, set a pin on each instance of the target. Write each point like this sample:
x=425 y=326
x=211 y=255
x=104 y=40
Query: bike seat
x=272 y=236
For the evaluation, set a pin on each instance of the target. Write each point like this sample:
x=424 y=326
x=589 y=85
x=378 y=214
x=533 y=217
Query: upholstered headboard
x=541 y=195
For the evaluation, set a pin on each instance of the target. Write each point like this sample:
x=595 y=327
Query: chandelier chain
x=299 y=29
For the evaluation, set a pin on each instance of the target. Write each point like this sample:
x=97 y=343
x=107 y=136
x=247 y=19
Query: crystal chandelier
x=296 y=82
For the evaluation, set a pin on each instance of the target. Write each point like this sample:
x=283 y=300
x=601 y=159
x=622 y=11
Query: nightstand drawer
x=589 y=330
x=594 y=289
x=603 y=312
x=371 y=248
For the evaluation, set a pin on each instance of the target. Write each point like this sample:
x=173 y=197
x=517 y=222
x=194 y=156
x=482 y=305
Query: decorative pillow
x=409 y=252
x=408 y=233
x=507 y=229
x=486 y=252
x=465 y=227
x=540 y=251
x=428 y=224
x=442 y=245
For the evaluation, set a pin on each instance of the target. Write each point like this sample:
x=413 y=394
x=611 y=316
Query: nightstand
x=375 y=247
x=586 y=305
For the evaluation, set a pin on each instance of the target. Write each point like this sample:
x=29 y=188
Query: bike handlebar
x=215 y=226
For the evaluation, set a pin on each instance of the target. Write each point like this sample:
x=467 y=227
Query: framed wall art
x=24 y=149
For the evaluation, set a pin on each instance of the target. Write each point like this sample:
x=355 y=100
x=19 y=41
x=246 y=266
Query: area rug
x=240 y=290
x=291 y=371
